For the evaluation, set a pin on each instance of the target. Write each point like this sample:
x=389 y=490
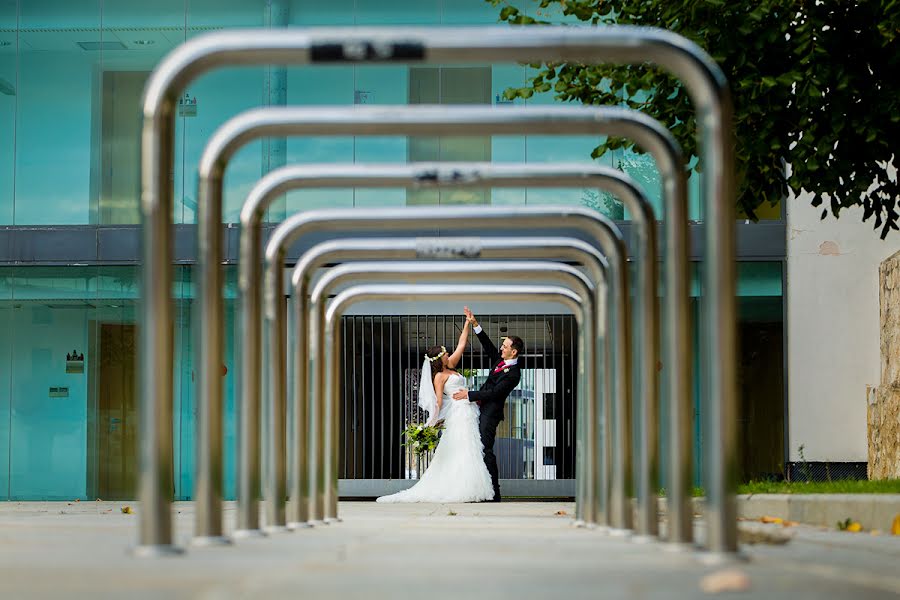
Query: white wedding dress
x=457 y=472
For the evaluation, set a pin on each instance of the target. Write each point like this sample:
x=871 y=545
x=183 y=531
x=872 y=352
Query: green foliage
x=421 y=438
x=604 y=203
x=696 y=492
x=815 y=85
x=845 y=486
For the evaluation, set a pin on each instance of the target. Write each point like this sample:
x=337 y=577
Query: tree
x=816 y=88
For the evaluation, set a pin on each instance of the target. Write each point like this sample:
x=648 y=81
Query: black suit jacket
x=493 y=393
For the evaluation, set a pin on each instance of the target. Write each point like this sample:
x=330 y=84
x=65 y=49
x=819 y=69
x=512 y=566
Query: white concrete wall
x=833 y=329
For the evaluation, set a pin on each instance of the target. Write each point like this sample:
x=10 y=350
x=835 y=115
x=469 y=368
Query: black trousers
x=487 y=426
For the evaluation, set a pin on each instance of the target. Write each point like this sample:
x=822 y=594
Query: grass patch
x=696 y=492
x=847 y=486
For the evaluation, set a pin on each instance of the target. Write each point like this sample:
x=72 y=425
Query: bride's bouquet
x=422 y=438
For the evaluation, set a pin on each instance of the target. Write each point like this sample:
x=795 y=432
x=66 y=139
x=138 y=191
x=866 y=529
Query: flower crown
x=440 y=354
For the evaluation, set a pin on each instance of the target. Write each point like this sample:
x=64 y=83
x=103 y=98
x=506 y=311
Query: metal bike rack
x=256 y=123
x=703 y=80
x=359 y=293
x=511 y=218
x=353 y=249
x=285 y=179
x=588 y=400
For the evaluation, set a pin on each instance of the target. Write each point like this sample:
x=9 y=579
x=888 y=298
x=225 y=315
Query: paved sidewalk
x=511 y=550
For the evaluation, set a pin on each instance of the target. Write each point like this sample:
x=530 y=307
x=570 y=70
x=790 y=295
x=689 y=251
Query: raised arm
x=454 y=358
x=486 y=343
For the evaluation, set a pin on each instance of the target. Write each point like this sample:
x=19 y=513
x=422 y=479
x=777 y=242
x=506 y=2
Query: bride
x=457 y=472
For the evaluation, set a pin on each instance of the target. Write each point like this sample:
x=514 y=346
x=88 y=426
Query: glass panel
x=545 y=148
x=310 y=86
x=6 y=320
x=48 y=444
x=507 y=148
x=449 y=85
x=469 y=12
x=9 y=48
x=760 y=371
x=316 y=12
x=137 y=36
x=70 y=424
x=695 y=210
x=216 y=97
x=641 y=168
x=380 y=85
x=399 y=12
x=183 y=410
x=754 y=279
x=59 y=58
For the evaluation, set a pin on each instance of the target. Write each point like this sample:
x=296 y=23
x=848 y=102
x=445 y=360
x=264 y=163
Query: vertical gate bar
x=334 y=373
x=578 y=426
x=509 y=423
x=353 y=431
x=381 y=395
x=391 y=398
x=531 y=432
x=563 y=369
x=566 y=423
x=346 y=386
x=435 y=341
x=373 y=437
x=550 y=364
x=364 y=400
x=413 y=406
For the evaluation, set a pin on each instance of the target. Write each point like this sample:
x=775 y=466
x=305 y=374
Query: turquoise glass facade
x=72 y=73
x=71 y=76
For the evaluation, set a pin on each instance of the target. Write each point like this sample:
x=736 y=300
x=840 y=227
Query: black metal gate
x=382 y=361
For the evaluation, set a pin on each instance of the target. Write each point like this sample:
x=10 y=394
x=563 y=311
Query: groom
x=504 y=377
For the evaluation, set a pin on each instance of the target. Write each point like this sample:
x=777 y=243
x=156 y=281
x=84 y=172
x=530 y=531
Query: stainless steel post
x=446 y=174
x=344 y=249
x=359 y=293
x=208 y=482
x=510 y=218
x=452 y=272
x=461 y=120
x=703 y=80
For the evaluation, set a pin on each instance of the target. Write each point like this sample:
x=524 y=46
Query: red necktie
x=500 y=366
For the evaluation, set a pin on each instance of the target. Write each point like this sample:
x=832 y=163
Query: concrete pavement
x=872 y=511
x=508 y=550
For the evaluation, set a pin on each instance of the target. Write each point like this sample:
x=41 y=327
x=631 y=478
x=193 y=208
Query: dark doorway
x=112 y=437
x=761 y=380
